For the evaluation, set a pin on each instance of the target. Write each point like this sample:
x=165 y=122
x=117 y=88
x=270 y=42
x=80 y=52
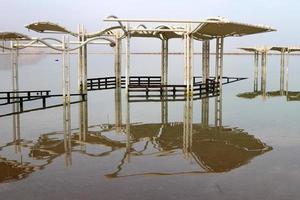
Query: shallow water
x=252 y=155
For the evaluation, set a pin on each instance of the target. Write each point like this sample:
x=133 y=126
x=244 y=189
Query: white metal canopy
x=207 y=29
x=11 y=36
x=42 y=27
x=272 y=48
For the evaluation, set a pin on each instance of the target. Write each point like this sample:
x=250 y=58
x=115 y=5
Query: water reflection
x=185 y=147
x=165 y=148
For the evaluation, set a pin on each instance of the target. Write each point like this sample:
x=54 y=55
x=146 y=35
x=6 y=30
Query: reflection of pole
x=205 y=112
x=68 y=148
x=205 y=60
x=83 y=120
x=282 y=62
x=263 y=73
x=127 y=69
x=256 y=58
x=164 y=111
x=218 y=110
x=188 y=126
x=188 y=55
x=118 y=109
x=128 y=135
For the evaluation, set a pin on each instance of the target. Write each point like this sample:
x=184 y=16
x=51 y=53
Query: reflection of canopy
x=255 y=49
x=12 y=170
x=291 y=95
x=217 y=149
x=13 y=36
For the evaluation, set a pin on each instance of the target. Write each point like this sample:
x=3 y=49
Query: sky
x=281 y=15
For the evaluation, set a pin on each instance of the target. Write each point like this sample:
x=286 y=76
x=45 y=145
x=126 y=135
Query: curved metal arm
x=112 y=43
x=4 y=47
x=103 y=32
x=49 y=45
x=43 y=41
x=115 y=17
x=53 y=39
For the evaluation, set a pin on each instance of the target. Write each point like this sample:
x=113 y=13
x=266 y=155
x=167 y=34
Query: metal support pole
x=164 y=80
x=118 y=60
x=287 y=74
x=164 y=62
x=282 y=62
x=80 y=60
x=263 y=73
x=219 y=77
x=205 y=60
x=188 y=60
x=82 y=85
x=219 y=60
x=127 y=60
x=256 y=58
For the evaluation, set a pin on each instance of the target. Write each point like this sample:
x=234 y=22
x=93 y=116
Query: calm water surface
x=173 y=151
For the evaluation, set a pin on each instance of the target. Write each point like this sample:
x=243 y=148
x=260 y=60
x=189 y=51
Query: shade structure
x=256 y=49
x=221 y=27
x=206 y=29
x=293 y=49
x=11 y=36
x=42 y=27
x=279 y=48
x=271 y=48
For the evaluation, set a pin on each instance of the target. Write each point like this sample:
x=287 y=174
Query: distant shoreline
x=142 y=53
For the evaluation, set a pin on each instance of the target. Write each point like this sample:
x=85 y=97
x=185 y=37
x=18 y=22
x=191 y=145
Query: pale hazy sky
x=280 y=14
